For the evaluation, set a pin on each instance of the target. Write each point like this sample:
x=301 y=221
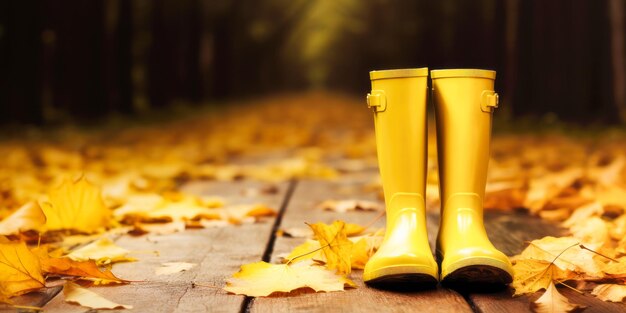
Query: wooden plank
x=301 y=209
x=218 y=253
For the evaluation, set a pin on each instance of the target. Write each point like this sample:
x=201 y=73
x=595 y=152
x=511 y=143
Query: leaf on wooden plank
x=181 y=211
x=158 y=228
x=103 y=251
x=86 y=270
x=261 y=279
x=238 y=214
x=76 y=206
x=20 y=271
x=343 y=206
x=360 y=254
x=610 y=292
x=335 y=245
x=310 y=249
x=533 y=275
x=76 y=294
x=553 y=302
x=297 y=232
x=173 y=267
x=301 y=232
x=28 y=217
x=570 y=256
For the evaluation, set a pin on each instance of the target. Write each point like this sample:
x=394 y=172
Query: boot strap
x=377 y=100
x=488 y=101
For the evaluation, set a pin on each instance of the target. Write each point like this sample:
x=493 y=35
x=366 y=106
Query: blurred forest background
x=76 y=59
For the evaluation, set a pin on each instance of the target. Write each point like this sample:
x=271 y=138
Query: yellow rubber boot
x=398 y=99
x=464 y=102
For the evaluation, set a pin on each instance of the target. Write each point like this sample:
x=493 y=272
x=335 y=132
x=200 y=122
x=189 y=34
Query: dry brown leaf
x=75 y=294
x=335 y=245
x=610 y=292
x=261 y=279
x=28 y=217
x=553 y=302
x=20 y=271
x=76 y=206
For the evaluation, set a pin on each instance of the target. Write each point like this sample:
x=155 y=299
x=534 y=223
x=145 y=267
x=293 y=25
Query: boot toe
x=402 y=269
x=478 y=266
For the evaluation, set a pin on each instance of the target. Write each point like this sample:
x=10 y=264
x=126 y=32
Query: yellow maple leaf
x=261 y=279
x=553 y=302
x=76 y=206
x=610 y=292
x=534 y=275
x=28 y=217
x=75 y=294
x=102 y=251
x=335 y=245
x=20 y=271
x=310 y=249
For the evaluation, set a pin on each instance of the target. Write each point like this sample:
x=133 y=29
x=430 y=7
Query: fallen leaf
x=335 y=245
x=76 y=206
x=583 y=213
x=343 y=206
x=553 y=302
x=570 y=256
x=75 y=294
x=261 y=279
x=86 y=270
x=541 y=190
x=533 y=275
x=28 y=217
x=20 y=271
x=103 y=251
x=592 y=230
x=610 y=292
x=158 y=228
x=173 y=267
x=310 y=249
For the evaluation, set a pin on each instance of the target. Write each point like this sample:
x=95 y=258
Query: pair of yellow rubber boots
x=464 y=100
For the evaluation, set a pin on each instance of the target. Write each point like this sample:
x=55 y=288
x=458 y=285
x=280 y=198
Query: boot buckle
x=377 y=100
x=488 y=101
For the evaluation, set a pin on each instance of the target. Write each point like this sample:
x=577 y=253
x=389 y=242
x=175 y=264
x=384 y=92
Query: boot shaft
x=398 y=99
x=464 y=101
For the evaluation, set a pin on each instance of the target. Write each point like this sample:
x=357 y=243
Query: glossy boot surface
x=464 y=101
x=398 y=99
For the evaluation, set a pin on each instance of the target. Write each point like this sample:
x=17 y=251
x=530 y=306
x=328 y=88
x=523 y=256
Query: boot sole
x=411 y=281
x=478 y=278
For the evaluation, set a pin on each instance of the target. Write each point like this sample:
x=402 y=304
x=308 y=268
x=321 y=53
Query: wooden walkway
x=219 y=252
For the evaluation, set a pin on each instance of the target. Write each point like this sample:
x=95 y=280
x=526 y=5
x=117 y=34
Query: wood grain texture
x=217 y=253
x=301 y=209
